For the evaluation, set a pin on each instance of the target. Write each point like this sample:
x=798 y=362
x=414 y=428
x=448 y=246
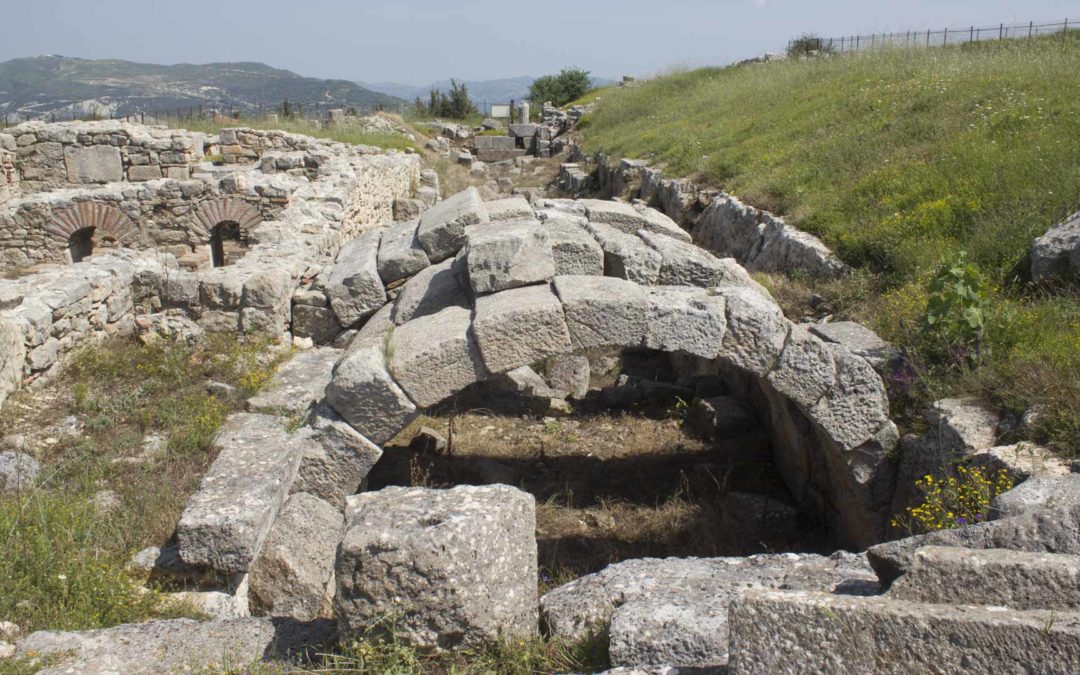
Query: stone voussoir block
x=506 y=255
x=603 y=311
x=435 y=356
x=520 y=326
x=442 y=228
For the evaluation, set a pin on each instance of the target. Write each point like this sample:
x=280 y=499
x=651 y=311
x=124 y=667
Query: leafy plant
x=568 y=85
x=956 y=308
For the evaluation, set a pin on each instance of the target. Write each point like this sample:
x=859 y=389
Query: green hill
x=61 y=85
x=899 y=160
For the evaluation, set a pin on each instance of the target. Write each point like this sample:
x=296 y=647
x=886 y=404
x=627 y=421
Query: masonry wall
x=9 y=175
x=78 y=154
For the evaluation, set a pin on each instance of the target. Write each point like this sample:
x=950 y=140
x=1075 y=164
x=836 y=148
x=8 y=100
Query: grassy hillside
x=899 y=161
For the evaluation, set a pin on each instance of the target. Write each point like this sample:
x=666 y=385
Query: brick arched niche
x=827 y=408
x=89 y=226
x=225 y=225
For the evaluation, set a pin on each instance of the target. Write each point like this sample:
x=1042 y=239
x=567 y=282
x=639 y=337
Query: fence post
x=972 y=38
x=841 y=43
x=857 y=40
x=927 y=37
x=945 y=40
x=1001 y=32
x=1031 y=27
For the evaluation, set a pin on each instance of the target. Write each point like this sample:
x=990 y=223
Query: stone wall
x=44 y=316
x=9 y=176
x=77 y=154
x=719 y=222
x=242 y=145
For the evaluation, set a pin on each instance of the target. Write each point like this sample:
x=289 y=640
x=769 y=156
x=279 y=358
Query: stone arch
x=827 y=406
x=222 y=237
x=108 y=227
x=212 y=212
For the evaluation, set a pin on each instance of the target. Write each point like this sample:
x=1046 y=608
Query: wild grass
x=64 y=562
x=899 y=160
x=343 y=133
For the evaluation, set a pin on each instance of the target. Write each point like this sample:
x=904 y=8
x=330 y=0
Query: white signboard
x=500 y=111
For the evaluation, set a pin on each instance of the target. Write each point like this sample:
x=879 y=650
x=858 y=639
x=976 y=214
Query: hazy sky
x=421 y=41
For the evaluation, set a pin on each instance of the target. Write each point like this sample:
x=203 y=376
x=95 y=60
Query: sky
x=423 y=41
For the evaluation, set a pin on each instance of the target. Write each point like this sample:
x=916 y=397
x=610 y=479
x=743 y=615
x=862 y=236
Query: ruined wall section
x=9 y=175
x=80 y=154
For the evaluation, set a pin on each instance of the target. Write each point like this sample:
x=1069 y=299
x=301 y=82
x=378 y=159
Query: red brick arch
x=109 y=223
x=228 y=209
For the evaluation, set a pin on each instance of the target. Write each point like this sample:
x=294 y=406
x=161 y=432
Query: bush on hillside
x=454 y=104
x=807 y=44
x=568 y=85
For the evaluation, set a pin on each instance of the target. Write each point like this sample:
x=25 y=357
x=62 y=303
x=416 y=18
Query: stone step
x=226 y=520
x=806 y=632
x=298 y=384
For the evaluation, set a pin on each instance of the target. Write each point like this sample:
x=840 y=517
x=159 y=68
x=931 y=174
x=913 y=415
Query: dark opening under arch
x=225 y=231
x=81 y=244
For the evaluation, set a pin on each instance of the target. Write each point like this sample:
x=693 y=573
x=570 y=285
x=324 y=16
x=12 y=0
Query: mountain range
x=71 y=87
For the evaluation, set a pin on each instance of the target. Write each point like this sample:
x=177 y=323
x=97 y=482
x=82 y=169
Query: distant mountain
x=31 y=87
x=480 y=91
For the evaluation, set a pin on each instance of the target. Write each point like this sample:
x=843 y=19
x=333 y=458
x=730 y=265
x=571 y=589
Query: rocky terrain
x=485 y=400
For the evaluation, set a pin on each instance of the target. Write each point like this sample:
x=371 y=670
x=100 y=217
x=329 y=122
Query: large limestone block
x=756 y=330
x=1037 y=492
x=857 y=406
x=1016 y=579
x=674 y=611
x=806 y=370
x=570 y=373
x=436 y=356
x=857 y=338
x=660 y=223
x=400 y=254
x=12 y=358
x=575 y=250
x=292 y=575
x=298 y=384
x=1056 y=254
x=625 y=255
x=805 y=632
x=455 y=566
x=603 y=311
x=686 y=320
x=506 y=255
x=179 y=645
x=432 y=290
x=520 y=326
x=93 y=164
x=335 y=466
x=1052 y=528
x=512 y=208
x=620 y=215
x=442 y=227
x=354 y=286
x=363 y=392
x=1021 y=461
x=683 y=264
x=963 y=424
x=226 y=520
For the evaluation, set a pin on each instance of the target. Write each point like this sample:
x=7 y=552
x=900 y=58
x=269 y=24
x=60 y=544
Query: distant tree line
x=454 y=104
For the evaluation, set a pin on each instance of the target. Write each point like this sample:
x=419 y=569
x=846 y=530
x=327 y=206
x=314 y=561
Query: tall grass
x=899 y=160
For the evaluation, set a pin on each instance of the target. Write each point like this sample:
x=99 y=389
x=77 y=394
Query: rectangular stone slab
x=802 y=632
x=298 y=384
x=603 y=311
x=520 y=326
x=435 y=356
x=226 y=520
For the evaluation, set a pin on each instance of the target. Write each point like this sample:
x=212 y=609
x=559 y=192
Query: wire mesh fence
x=813 y=45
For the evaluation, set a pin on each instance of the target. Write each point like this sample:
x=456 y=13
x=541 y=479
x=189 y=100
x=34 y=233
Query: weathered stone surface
x=18 y=471
x=1037 y=492
x=683 y=264
x=400 y=254
x=686 y=320
x=298 y=384
x=1050 y=529
x=603 y=311
x=1016 y=579
x=722 y=417
x=800 y=632
x=674 y=611
x=1021 y=461
x=435 y=356
x=363 y=392
x=448 y=550
x=507 y=255
x=93 y=164
x=179 y=645
x=659 y=223
x=337 y=463
x=526 y=382
x=520 y=326
x=625 y=255
x=756 y=330
x=805 y=370
x=318 y=323
x=442 y=227
x=12 y=357
x=753 y=518
x=511 y=208
x=432 y=290
x=570 y=373
x=858 y=339
x=620 y=215
x=292 y=575
x=963 y=424
x=575 y=250
x=1056 y=254
x=354 y=286
x=227 y=519
x=856 y=408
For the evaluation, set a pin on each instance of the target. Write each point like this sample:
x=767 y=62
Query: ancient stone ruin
x=151 y=229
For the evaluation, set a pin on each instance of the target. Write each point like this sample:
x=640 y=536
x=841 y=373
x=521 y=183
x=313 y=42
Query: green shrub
x=570 y=84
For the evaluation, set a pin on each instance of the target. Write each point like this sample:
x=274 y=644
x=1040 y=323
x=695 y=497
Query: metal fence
x=811 y=45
